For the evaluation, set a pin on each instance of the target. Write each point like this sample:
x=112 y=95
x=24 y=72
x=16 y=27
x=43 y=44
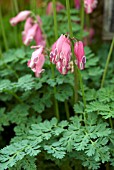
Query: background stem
x=75 y=67
x=52 y=68
x=14 y=12
x=55 y=19
x=3 y=31
x=105 y=71
x=67 y=110
x=16 y=6
x=82 y=18
x=33 y=6
x=82 y=89
x=54 y=90
x=107 y=63
x=69 y=19
x=87 y=21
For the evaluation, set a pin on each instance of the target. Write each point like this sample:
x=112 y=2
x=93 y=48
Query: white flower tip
x=37 y=46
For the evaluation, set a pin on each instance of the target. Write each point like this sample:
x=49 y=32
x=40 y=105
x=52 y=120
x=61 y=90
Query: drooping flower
x=61 y=54
x=80 y=55
x=90 y=5
x=49 y=10
x=32 y=28
x=30 y=34
x=39 y=37
x=28 y=25
x=77 y=4
x=37 y=61
x=20 y=17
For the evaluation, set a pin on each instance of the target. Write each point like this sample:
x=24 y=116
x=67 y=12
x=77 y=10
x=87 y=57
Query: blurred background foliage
x=11 y=7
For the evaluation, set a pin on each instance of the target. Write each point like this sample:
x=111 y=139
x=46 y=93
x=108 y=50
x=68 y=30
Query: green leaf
x=19 y=113
x=3 y=119
x=57 y=151
x=26 y=82
x=63 y=92
x=78 y=108
x=27 y=163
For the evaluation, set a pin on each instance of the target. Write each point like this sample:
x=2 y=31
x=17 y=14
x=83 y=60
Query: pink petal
x=30 y=34
x=80 y=55
x=90 y=5
x=20 y=17
x=39 y=37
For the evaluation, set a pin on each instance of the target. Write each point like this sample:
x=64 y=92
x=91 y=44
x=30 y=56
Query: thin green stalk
x=15 y=95
x=83 y=95
x=55 y=19
x=0 y=53
x=110 y=121
x=76 y=82
x=3 y=31
x=75 y=68
x=69 y=19
x=87 y=21
x=56 y=103
x=105 y=71
x=52 y=68
x=107 y=63
x=82 y=88
x=15 y=28
x=33 y=5
x=82 y=17
x=16 y=6
x=67 y=110
x=88 y=27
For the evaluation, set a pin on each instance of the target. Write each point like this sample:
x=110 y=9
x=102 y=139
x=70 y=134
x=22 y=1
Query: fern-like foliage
x=60 y=140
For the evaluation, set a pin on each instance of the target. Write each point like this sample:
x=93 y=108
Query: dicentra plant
x=63 y=117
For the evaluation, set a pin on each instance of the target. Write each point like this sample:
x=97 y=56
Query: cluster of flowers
x=32 y=28
x=61 y=49
x=60 y=54
x=89 y=5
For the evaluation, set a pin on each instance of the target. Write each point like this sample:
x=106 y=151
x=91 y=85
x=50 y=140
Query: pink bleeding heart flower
x=49 y=10
x=90 y=5
x=39 y=38
x=37 y=61
x=61 y=54
x=30 y=34
x=20 y=17
x=80 y=55
x=27 y=26
x=77 y=4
